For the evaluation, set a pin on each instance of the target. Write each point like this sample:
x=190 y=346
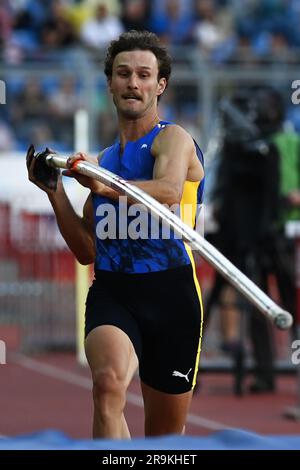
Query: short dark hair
x=139 y=40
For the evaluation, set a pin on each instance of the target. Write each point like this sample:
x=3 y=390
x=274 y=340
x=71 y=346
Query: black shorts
x=162 y=315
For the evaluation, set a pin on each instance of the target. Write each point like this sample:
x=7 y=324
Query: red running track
x=54 y=391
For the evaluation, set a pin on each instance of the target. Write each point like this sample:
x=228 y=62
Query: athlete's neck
x=134 y=129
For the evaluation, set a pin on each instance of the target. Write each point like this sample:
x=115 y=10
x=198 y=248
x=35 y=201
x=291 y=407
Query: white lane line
x=84 y=382
x=205 y=423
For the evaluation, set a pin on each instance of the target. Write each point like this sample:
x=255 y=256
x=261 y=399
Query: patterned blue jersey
x=157 y=248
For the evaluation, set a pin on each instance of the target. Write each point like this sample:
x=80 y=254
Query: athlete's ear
x=109 y=82
x=162 y=83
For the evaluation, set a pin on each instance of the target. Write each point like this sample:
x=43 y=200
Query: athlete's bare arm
x=175 y=162
x=77 y=231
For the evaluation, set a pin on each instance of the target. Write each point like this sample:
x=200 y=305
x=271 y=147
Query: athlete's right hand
x=39 y=173
x=87 y=181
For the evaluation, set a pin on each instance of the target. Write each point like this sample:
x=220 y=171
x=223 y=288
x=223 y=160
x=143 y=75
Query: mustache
x=132 y=95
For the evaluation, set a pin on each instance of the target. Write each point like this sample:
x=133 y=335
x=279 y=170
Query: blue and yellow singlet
x=115 y=249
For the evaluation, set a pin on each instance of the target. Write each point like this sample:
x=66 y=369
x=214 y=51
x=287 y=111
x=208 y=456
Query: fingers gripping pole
x=281 y=318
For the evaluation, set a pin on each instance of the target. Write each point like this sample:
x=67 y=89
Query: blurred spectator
x=32 y=15
x=135 y=14
x=242 y=53
x=29 y=107
x=113 y=6
x=214 y=26
x=6 y=21
x=173 y=24
x=41 y=136
x=58 y=30
x=288 y=145
x=30 y=102
x=63 y=104
x=98 y=31
x=159 y=7
x=29 y=22
x=77 y=13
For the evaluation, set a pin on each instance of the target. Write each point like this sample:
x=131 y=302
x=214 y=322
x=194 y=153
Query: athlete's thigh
x=165 y=413
x=171 y=330
x=107 y=347
x=112 y=335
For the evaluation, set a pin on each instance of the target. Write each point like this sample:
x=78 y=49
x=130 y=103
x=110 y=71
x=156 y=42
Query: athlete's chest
x=135 y=162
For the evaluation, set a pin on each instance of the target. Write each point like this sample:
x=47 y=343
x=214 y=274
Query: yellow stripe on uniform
x=188 y=208
x=189 y=252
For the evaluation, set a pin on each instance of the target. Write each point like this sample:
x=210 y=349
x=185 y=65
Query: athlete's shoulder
x=173 y=130
x=173 y=133
x=175 y=136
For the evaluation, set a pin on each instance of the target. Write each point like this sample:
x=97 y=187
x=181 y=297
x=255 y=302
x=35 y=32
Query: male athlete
x=144 y=306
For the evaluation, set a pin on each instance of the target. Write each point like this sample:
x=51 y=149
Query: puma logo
x=179 y=374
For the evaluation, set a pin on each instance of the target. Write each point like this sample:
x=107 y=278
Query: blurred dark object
x=247 y=190
x=251 y=114
x=247 y=206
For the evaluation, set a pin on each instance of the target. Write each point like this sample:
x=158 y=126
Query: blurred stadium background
x=51 y=56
